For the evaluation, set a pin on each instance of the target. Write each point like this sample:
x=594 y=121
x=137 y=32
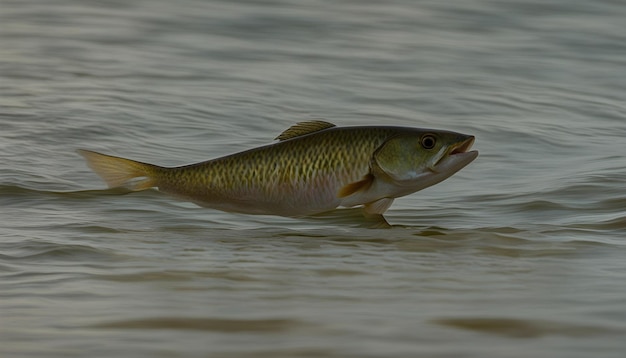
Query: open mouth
x=458 y=156
x=463 y=147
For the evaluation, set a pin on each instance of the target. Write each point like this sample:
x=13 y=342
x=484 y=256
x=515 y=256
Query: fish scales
x=304 y=173
x=315 y=167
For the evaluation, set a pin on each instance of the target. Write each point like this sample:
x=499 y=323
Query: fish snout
x=463 y=146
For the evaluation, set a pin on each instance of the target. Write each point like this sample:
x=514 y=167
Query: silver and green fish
x=313 y=168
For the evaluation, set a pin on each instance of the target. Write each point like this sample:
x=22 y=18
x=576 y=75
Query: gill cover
x=406 y=158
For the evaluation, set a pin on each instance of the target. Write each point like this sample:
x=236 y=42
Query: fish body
x=315 y=167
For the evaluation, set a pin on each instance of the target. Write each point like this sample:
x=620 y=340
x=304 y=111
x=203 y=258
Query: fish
x=314 y=167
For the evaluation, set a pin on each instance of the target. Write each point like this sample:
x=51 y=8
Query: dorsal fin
x=303 y=128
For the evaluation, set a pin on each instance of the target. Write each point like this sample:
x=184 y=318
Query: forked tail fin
x=121 y=172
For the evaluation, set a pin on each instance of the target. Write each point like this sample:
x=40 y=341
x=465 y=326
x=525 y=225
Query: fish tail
x=121 y=172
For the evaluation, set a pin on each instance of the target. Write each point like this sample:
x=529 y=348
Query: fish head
x=422 y=158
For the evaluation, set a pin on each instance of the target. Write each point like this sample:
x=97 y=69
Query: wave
x=10 y=190
x=208 y=324
x=38 y=250
x=524 y=328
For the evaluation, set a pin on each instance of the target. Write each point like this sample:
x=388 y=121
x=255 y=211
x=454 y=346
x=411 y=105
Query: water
x=519 y=254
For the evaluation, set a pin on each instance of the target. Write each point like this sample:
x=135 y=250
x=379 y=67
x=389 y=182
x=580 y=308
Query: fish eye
x=428 y=141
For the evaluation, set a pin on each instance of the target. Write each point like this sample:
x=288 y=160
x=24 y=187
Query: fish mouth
x=462 y=147
x=457 y=153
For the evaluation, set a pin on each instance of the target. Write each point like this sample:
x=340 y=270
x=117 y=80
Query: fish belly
x=284 y=199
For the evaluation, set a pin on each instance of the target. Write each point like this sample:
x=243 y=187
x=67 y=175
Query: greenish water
x=519 y=254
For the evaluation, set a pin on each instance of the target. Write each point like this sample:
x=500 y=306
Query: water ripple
x=207 y=324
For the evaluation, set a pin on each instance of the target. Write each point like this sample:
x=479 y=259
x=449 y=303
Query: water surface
x=519 y=254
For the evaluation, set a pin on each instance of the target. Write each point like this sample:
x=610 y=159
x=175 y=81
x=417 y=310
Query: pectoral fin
x=360 y=185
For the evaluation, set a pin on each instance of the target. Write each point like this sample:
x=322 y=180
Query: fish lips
x=463 y=147
x=457 y=158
